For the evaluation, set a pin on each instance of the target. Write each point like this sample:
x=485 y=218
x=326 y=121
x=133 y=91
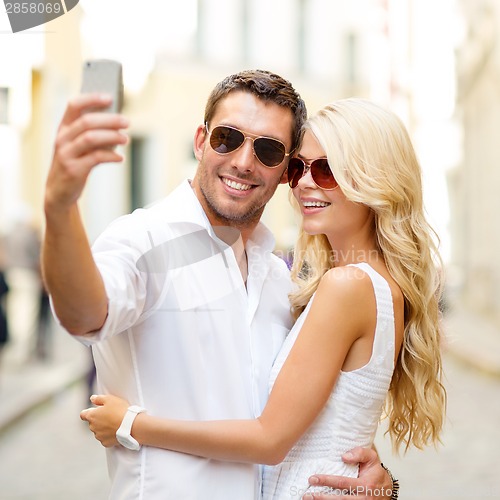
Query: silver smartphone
x=104 y=75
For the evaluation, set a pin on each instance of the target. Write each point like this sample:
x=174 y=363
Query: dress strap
x=385 y=330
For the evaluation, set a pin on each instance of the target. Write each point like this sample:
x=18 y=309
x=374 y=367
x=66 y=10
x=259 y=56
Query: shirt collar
x=262 y=238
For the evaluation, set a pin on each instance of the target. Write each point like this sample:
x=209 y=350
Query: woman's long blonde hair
x=373 y=160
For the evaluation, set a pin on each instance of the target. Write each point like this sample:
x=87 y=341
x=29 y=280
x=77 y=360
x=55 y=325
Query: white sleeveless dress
x=351 y=415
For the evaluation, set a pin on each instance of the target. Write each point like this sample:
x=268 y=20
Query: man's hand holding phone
x=87 y=135
x=84 y=140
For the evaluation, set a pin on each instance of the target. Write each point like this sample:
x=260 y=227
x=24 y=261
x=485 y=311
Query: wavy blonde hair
x=374 y=163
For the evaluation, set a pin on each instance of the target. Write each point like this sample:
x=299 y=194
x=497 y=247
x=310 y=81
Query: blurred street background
x=436 y=64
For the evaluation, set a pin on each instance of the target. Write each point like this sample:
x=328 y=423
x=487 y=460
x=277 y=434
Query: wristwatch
x=123 y=433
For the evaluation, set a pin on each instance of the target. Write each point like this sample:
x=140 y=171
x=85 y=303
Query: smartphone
x=104 y=75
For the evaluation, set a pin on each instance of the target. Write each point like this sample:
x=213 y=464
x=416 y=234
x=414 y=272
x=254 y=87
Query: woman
x=367 y=332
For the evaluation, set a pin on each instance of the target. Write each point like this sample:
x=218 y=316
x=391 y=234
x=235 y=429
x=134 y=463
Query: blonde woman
x=367 y=335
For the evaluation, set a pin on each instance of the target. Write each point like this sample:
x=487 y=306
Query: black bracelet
x=395 y=484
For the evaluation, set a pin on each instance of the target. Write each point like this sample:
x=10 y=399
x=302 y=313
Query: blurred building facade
x=474 y=182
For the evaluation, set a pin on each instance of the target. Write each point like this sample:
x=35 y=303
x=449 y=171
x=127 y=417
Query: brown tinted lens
x=322 y=175
x=270 y=152
x=295 y=171
x=226 y=140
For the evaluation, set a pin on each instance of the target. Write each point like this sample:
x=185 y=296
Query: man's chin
x=242 y=217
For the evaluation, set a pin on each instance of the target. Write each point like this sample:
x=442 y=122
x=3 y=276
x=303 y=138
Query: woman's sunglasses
x=225 y=140
x=320 y=173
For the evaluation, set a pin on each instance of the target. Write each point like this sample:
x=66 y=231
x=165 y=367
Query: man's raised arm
x=84 y=140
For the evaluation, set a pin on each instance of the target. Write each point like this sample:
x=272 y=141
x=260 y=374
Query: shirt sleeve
x=116 y=253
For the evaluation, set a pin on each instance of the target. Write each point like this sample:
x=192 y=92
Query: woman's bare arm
x=300 y=392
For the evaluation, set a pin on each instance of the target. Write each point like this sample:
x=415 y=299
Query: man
x=183 y=302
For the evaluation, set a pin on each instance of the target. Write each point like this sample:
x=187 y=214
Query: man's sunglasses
x=320 y=173
x=224 y=140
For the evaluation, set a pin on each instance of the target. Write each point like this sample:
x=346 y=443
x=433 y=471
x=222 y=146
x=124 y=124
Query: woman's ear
x=199 y=141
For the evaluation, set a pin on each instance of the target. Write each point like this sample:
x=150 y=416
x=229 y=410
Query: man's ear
x=284 y=177
x=199 y=142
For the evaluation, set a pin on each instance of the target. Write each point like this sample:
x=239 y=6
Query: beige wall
x=474 y=183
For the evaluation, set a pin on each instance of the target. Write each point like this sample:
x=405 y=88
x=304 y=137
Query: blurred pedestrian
x=43 y=334
x=22 y=248
x=4 y=289
x=4 y=330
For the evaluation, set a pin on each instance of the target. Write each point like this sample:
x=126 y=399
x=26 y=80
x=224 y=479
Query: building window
x=351 y=58
x=301 y=36
x=4 y=105
x=137 y=162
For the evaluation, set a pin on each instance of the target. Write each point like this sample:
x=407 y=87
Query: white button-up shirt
x=186 y=339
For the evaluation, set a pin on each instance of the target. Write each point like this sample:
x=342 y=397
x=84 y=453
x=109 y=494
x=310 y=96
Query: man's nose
x=244 y=158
